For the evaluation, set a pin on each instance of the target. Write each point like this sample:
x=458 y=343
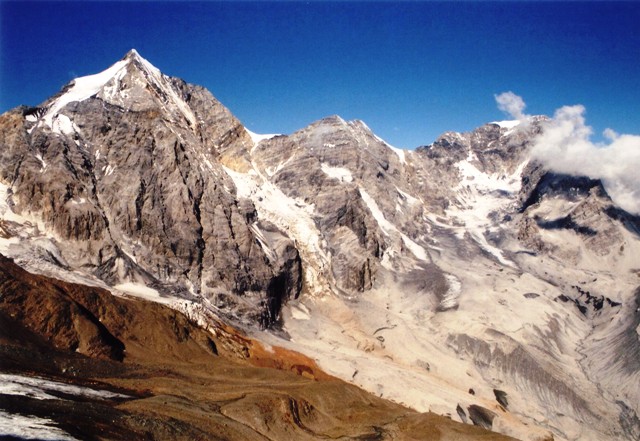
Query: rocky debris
x=461 y=413
x=595 y=302
x=614 y=358
x=539 y=183
x=523 y=368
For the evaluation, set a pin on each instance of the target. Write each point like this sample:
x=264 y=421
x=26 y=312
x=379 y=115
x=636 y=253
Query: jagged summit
x=132 y=83
x=133 y=53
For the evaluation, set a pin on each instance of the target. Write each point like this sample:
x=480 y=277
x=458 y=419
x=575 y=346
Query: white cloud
x=564 y=146
x=610 y=134
x=511 y=104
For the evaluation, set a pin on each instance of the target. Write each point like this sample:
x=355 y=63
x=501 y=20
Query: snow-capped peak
x=83 y=88
x=133 y=54
x=509 y=125
x=108 y=84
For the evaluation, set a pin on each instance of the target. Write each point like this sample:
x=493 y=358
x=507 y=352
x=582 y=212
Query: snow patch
x=340 y=173
x=82 y=88
x=400 y=153
x=108 y=169
x=42 y=162
x=300 y=312
x=292 y=216
x=130 y=256
x=7 y=214
x=415 y=249
x=63 y=125
x=511 y=126
x=388 y=228
x=78 y=201
x=450 y=298
x=508 y=124
x=407 y=197
x=256 y=137
x=144 y=292
x=31 y=427
x=479 y=195
x=41 y=388
x=271 y=255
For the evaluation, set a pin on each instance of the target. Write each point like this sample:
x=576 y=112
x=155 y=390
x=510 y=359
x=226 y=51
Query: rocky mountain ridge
x=460 y=266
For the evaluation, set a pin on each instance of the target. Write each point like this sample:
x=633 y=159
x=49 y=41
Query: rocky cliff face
x=129 y=180
x=459 y=269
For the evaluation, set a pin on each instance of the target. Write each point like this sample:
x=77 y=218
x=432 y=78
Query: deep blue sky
x=410 y=70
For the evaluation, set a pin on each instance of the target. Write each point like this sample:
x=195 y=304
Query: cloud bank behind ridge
x=564 y=146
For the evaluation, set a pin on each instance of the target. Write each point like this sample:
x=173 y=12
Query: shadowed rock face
x=481 y=417
x=176 y=381
x=501 y=397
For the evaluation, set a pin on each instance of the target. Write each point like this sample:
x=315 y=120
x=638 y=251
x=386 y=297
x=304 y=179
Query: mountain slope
x=461 y=278
x=177 y=381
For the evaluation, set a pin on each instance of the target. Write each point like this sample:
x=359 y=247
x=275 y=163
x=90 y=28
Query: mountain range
x=462 y=278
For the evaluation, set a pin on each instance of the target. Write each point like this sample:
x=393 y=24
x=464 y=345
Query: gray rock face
x=319 y=170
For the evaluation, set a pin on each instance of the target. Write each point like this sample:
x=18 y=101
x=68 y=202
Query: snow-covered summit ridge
x=85 y=87
x=108 y=85
x=508 y=124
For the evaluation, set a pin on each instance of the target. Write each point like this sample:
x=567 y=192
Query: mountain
x=461 y=278
x=124 y=167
